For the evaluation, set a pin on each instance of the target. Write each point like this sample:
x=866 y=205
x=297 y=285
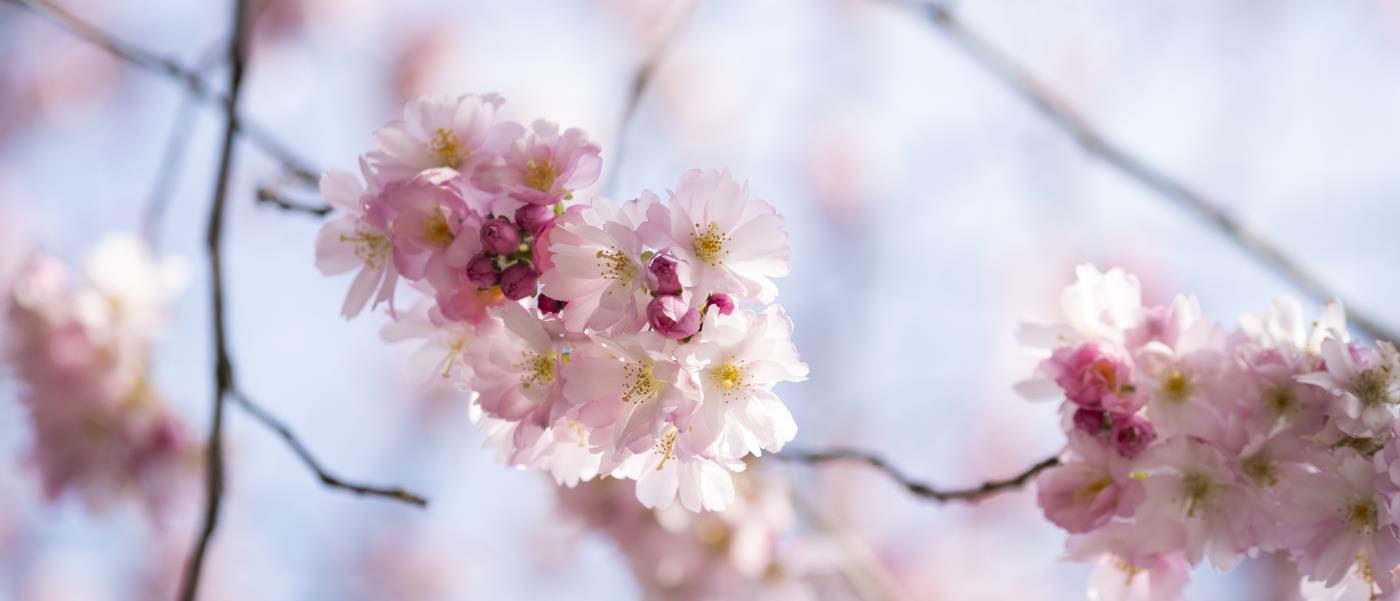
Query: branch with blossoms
x=1061 y=114
x=1191 y=443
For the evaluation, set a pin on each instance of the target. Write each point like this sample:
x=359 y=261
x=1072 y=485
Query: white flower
x=1364 y=383
x=739 y=358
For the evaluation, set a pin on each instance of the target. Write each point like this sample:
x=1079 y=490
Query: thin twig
x=174 y=156
x=172 y=69
x=223 y=367
x=270 y=196
x=915 y=487
x=1060 y=113
x=641 y=80
x=276 y=425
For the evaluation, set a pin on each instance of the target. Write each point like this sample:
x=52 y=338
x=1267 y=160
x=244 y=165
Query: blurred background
x=930 y=208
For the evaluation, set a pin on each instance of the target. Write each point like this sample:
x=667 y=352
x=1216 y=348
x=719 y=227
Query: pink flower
x=434 y=233
x=1191 y=490
x=629 y=387
x=357 y=239
x=597 y=267
x=732 y=244
x=545 y=167
x=1089 y=489
x=1364 y=383
x=515 y=362
x=442 y=132
x=1339 y=519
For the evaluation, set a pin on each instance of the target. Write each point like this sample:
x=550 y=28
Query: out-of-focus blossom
x=80 y=348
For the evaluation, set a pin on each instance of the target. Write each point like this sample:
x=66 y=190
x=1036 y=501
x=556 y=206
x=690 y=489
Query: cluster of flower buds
x=80 y=351
x=1191 y=442
x=596 y=337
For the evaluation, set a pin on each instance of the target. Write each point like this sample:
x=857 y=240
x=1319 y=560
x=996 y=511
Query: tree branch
x=1058 y=112
x=223 y=367
x=915 y=487
x=172 y=69
x=270 y=196
x=276 y=425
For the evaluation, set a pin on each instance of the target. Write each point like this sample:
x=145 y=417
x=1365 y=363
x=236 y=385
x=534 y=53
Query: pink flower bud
x=1130 y=435
x=518 y=281
x=482 y=271
x=665 y=280
x=1089 y=421
x=550 y=306
x=672 y=317
x=499 y=236
x=722 y=302
x=534 y=218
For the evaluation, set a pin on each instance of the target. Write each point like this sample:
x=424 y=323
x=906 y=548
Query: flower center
x=640 y=383
x=1372 y=387
x=447 y=148
x=1176 y=386
x=616 y=265
x=1196 y=489
x=436 y=230
x=1260 y=470
x=731 y=376
x=1361 y=515
x=537 y=369
x=1281 y=400
x=709 y=244
x=1092 y=490
x=371 y=248
x=540 y=175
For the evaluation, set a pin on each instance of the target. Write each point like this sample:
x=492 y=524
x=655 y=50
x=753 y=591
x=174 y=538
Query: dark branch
x=326 y=478
x=174 y=156
x=172 y=69
x=1060 y=113
x=223 y=367
x=270 y=196
x=915 y=487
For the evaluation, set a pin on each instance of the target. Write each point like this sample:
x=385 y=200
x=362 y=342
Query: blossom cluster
x=80 y=350
x=743 y=552
x=634 y=339
x=1189 y=442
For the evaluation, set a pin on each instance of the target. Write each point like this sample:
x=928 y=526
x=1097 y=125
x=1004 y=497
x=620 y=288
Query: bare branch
x=915 y=487
x=276 y=425
x=174 y=156
x=172 y=69
x=223 y=367
x=270 y=196
x=1057 y=111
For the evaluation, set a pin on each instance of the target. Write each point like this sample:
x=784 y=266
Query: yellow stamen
x=540 y=175
x=447 y=148
x=709 y=244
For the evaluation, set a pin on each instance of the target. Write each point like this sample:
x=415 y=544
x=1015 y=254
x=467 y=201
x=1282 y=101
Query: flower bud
x=665 y=280
x=672 y=317
x=518 y=281
x=534 y=218
x=1130 y=435
x=1089 y=421
x=499 y=236
x=550 y=306
x=482 y=271
x=723 y=302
